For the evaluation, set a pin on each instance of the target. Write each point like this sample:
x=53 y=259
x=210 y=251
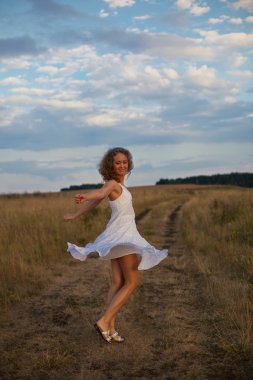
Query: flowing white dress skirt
x=121 y=237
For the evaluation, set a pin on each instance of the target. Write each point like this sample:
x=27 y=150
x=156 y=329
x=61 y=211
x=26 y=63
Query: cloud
x=244 y=4
x=171 y=73
x=214 y=21
x=198 y=11
x=11 y=47
x=249 y=19
x=203 y=76
x=142 y=18
x=242 y=39
x=103 y=14
x=119 y=3
x=158 y=44
x=13 y=81
x=184 y=4
x=15 y=63
x=46 y=168
x=194 y=8
x=247 y=74
x=223 y=18
x=51 y=70
x=238 y=60
x=78 y=106
x=237 y=20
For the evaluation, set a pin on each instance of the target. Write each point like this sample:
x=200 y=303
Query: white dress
x=121 y=237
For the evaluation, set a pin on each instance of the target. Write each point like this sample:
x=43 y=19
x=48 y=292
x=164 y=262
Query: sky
x=172 y=81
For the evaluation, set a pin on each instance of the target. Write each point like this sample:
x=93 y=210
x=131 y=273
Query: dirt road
x=166 y=323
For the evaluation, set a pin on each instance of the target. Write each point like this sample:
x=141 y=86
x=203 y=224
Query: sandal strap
x=115 y=334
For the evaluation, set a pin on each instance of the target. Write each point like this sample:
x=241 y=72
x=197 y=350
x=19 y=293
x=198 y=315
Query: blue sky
x=170 y=80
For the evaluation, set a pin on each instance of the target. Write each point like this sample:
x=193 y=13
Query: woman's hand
x=69 y=217
x=79 y=198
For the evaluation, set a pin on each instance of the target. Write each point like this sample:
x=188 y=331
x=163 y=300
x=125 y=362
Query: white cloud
x=142 y=18
x=51 y=70
x=73 y=104
x=155 y=75
x=114 y=117
x=238 y=60
x=214 y=21
x=203 y=76
x=152 y=72
x=242 y=73
x=32 y=91
x=103 y=14
x=249 y=19
x=171 y=73
x=245 y=4
x=224 y=17
x=236 y=21
x=230 y=39
x=42 y=79
x=184 y=4
x=196 y=10
x=221 y=19
x=14 y=63
x=230 y=99
x=12 y=81
x=119 y=3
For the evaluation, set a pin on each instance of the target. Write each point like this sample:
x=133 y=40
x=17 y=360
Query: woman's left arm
x=98 y=194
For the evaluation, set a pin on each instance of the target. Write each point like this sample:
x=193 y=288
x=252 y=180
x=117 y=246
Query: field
x=190 y=318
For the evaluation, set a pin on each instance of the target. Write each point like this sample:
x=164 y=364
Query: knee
x=132 y=284
x=118 y=283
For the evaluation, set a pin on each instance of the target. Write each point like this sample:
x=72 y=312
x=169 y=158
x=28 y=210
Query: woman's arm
x=87 y=207
x=99 y=194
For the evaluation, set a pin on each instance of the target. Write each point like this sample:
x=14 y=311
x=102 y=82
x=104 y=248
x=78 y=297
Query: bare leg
x=117 y=283
x=129 y=267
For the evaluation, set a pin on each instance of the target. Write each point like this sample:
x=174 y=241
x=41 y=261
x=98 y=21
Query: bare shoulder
x=113 y=189
x=112 y=184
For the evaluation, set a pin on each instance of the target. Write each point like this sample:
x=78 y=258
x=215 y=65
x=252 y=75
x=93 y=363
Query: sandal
x=117 y=338
x=104 y=334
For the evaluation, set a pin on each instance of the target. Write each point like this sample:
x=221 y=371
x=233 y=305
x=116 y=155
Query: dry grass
x=218 y=228
x=33 y=235
x=175 y=327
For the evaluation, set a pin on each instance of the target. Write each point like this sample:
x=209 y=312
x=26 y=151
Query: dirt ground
x=166 y=324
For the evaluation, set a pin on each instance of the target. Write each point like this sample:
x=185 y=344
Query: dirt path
x=166 y=324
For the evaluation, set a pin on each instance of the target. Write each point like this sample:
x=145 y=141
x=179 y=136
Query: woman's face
x=120 y=164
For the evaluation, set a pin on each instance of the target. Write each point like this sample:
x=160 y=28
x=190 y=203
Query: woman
x=120 y=242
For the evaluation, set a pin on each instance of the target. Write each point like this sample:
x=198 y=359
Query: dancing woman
x=120 y=242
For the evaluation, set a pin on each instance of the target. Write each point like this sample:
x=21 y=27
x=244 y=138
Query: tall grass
x=218 y=229
x=33 y=235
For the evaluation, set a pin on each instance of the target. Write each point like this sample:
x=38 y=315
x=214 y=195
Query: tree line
x=236 y=179
x=84 y=186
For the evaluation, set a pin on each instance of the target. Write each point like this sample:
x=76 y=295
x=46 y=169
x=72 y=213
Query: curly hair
x=105 y=167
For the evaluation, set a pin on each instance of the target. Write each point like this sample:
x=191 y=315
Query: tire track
x=142 y=215
x=171 y=227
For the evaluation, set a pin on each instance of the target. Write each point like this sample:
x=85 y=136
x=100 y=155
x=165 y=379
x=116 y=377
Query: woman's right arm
x=83 y=210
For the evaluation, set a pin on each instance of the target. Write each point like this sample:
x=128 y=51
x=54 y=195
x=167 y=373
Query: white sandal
x=104 y=334
x=119 y=339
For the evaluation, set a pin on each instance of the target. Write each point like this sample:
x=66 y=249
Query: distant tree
x=84 y=186
x=236 y=179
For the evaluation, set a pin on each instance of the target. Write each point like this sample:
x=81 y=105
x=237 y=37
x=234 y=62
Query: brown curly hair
x=105 y=167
